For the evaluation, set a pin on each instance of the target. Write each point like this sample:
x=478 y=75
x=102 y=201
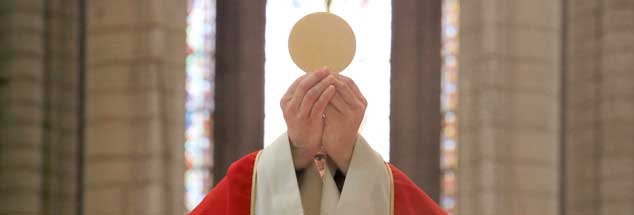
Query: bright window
x=370 y=69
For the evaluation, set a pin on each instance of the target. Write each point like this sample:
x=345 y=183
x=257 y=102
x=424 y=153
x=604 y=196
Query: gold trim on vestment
x=389 y=170
x=253 y=183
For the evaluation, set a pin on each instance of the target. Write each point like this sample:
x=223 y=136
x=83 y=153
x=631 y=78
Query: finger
x=291 y=90
x=314 y=93
x=355 y=89
x=329 y=111
x=322 y=102
x=338 y=103
x=304 y=85
x=345 y=91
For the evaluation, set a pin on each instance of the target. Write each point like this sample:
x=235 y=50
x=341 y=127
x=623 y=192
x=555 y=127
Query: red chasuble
x=232 y=195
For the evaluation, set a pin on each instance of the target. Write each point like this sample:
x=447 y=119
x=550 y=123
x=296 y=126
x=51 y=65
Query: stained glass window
x=449 y=159
x=370 y=69
x=201 y=32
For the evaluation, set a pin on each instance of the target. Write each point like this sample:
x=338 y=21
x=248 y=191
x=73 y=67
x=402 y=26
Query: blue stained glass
x=450 y=31
x=296 y=3
x=449 y=144
x=448 y=201
x=199 y=104
x=450 y=35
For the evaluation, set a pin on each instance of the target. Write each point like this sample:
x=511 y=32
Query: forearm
x=302 y=157
x=341 y=154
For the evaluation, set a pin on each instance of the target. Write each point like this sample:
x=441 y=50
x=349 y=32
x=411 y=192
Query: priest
x=323 y=112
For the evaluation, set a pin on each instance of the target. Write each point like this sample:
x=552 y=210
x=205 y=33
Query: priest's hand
x=303 y=106
x=344 y=114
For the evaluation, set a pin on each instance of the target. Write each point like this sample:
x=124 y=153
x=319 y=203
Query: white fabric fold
x=366 y=190
x=329 y=194
x=276 y=189
x=310 y=190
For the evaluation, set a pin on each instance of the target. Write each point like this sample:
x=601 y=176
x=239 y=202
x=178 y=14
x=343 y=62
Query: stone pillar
x=21 y=113
x=60 y=103
x=415 y=119
x=599 y=159
x=38 y=107
x=239 y=114
x=135 y=107
x=582 y=154
x=617 y=107
x=508 y=111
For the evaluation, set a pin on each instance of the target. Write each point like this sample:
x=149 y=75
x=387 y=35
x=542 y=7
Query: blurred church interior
x=493 y=107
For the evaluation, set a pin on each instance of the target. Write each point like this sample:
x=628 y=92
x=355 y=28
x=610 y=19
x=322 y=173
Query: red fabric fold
x=232 y=195
x=409 y=199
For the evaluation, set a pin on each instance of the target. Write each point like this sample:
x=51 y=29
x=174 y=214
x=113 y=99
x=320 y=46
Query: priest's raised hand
x=343 y=117
x=303 y=106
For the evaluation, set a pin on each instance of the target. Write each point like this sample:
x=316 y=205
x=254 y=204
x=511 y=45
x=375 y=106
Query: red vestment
x=232 y=195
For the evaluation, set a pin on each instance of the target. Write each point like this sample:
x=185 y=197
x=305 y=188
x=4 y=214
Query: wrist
x=302 y=156
x=342 y=157
x=342 y=163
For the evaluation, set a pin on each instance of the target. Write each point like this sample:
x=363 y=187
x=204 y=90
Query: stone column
x=135 y=107
x=239 y=113
x=415 y=119
x=61 y=96
x=599 y=159
x=38 y=107
x=509 y=105
x=21 y=113
x=616 y=89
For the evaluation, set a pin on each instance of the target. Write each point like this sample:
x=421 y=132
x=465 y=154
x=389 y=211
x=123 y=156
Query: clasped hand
x=323 y=109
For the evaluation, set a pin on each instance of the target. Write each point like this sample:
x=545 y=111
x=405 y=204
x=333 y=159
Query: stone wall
x=135 y=107
x=134 y=99
x=38 y=96
x=508 y=111
x=599 y=121
x=21 y=98
x=61 y=103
